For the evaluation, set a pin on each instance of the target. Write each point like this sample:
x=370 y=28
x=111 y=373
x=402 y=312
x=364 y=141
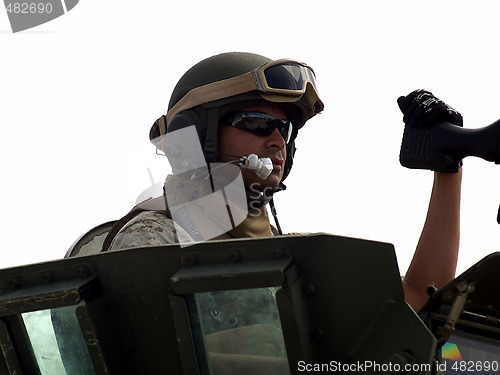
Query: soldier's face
x=234 y=142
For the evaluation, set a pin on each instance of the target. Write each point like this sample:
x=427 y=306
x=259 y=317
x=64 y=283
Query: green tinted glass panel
x=241 y=329
x=57 y=342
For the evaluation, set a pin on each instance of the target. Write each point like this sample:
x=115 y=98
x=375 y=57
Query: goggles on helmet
x=277 y=81
x=259 y=123
x=284 y=77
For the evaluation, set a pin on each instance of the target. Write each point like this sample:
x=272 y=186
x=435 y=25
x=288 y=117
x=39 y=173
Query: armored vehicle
x=287 y=305
x=290 y=304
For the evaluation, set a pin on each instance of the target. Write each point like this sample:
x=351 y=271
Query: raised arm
x=435 y=258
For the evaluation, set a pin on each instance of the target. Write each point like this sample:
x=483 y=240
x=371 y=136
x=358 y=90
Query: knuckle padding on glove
x=422 y=108
x=425 y=141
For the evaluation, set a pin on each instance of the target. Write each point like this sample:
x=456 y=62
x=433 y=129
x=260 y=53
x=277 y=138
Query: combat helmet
x=226 y=82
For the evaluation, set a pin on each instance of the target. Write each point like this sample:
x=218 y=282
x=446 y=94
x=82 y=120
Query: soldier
x=247 y=110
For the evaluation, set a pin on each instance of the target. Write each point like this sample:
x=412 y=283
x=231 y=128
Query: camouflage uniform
x=156 y=227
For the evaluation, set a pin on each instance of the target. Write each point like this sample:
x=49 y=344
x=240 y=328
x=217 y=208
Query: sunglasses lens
x=289 y=76
x=260 y=124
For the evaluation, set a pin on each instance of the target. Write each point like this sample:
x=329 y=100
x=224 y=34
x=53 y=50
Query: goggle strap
x=214 y=91
x=242 y=84
x=162 y=123
x=159 y=127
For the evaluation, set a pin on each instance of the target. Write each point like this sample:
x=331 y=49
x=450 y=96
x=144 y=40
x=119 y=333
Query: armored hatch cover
x=339 y=299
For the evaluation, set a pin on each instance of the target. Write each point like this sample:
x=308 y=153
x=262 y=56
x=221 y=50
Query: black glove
x=421 y=108
x=426 y=140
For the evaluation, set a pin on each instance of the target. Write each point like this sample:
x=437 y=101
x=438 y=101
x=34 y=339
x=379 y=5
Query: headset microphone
x=262 y=166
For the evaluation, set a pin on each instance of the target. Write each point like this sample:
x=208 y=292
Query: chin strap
x=275 y=215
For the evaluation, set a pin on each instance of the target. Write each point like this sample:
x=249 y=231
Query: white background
x=79 y=94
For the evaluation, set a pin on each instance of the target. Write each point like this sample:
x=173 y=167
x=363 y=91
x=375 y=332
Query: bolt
x=462 y=287
x=128 y=348
x=431 y=290
x=318 y=334
x=210 y=142
x=82 y=272
x=191 y=259
x=14 y=283
x=234 y=256
x=113 y=305
x=465 y=287
x=309 y=290
x=278 y=253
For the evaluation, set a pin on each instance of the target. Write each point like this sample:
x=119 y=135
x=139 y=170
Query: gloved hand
x=421 y=108
x=426 y=140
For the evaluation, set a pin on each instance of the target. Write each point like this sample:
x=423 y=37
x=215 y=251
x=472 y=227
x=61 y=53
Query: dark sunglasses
x=259 y=123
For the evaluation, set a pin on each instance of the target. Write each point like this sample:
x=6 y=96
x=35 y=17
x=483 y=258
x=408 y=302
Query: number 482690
x=475 y=366
x=29 y=8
